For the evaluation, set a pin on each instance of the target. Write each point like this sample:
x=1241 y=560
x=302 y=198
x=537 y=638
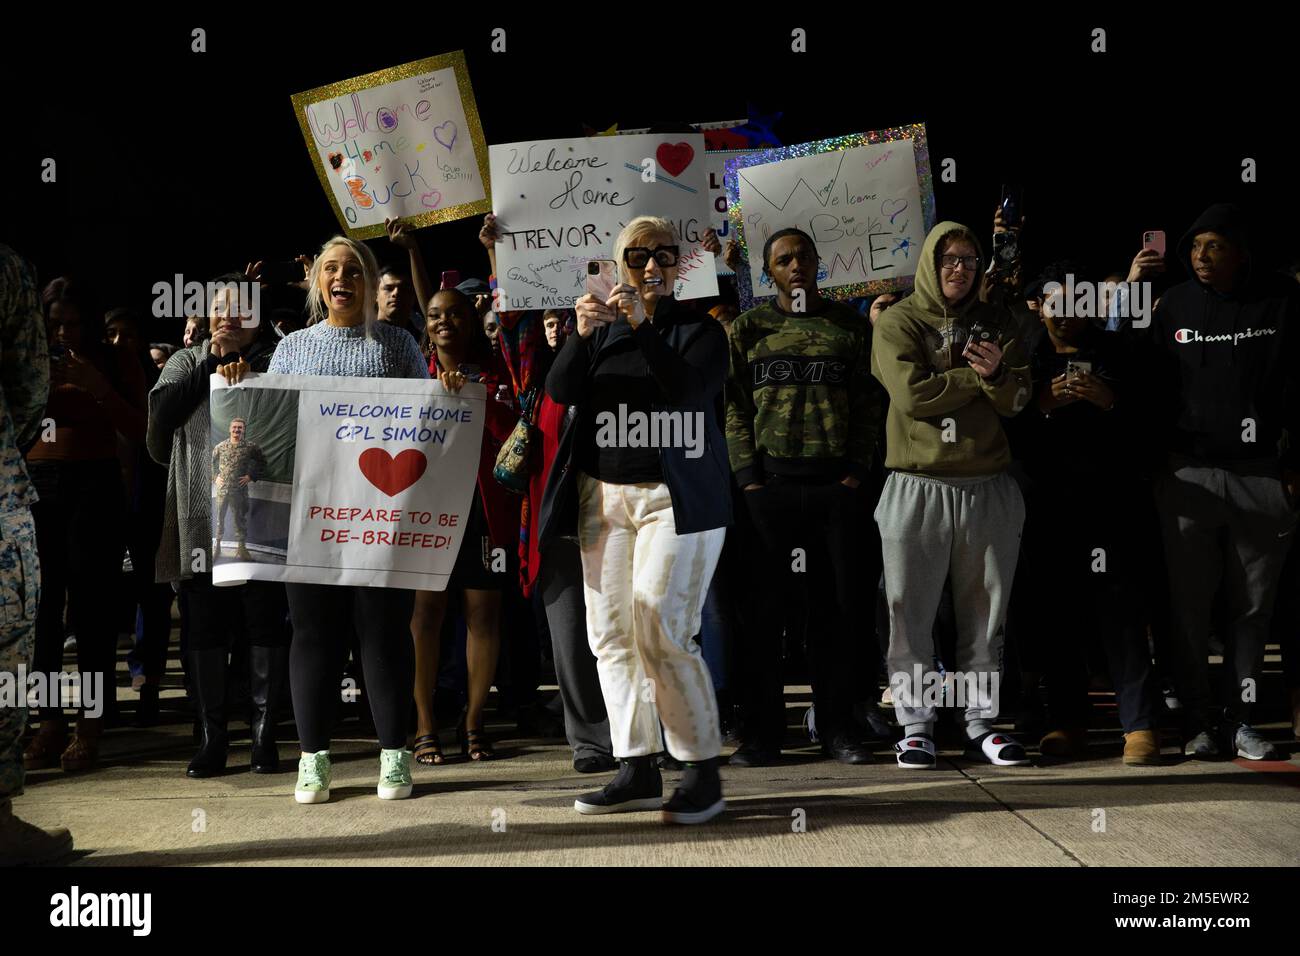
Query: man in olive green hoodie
x=952 y=366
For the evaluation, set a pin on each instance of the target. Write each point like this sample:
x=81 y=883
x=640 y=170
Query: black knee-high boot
x=208 y=673
x=268 y=668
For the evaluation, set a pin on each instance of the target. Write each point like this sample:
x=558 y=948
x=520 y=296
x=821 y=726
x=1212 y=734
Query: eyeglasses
x=638 y=257
x=950 y=263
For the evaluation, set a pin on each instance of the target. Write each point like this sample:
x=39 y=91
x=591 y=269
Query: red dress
x=500 y=507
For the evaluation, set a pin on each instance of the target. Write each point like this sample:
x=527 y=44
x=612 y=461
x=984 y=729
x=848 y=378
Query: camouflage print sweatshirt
x=800 y=397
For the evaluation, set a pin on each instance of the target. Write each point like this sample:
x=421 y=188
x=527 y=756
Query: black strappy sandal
x=473 y=742
x=428 y=750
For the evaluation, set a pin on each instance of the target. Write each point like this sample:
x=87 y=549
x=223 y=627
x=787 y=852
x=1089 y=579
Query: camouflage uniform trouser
x=237 y=502
x=20 y=590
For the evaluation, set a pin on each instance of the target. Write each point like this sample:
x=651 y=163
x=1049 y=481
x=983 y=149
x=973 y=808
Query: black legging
x=323 y=619
x=80 y=540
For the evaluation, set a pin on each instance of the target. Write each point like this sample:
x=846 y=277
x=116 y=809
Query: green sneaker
x=394 y=774
x=313 y=778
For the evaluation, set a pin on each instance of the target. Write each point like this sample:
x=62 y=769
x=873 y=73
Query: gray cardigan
x=178 y=437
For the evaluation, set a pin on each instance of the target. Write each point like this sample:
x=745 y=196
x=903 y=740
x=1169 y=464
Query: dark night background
x=171 y=161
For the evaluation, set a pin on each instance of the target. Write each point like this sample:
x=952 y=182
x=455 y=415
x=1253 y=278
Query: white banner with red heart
x=383 y=478
x=562 y=202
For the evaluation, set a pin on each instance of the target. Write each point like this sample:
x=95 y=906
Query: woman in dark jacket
x=646 y=472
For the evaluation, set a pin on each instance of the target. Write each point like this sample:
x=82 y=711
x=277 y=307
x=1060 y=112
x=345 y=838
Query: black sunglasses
x=638 y=257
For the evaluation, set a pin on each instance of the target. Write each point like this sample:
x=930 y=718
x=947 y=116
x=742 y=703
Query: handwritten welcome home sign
x=867 y=200
x=384 y=470
x=563 y=201
x=405 y=142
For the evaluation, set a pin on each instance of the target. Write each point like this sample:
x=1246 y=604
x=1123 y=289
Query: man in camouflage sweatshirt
x=237 y=464
x=802 y=416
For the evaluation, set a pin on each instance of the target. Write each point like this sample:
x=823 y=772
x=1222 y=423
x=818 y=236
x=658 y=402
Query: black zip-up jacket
x=1223 y=361
x=686 y=357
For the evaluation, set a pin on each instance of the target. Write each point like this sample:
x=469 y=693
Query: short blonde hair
x=639 y=228
x=316 y=307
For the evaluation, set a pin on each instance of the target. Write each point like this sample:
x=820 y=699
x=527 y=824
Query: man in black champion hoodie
x=1226 y=400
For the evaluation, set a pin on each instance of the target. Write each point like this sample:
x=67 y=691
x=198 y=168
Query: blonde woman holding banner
x=345 y=339
x=650 y=516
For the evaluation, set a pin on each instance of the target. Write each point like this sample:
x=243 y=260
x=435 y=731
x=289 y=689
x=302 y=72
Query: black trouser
x=154 y=600
x=1229 y=528
x=324 y=618
x=217 y=614
x=80 y=540
x=586 y=725
x=821 y=518
x=1083 y=587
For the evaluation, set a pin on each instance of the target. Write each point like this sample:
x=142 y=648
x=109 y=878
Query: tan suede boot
x=1064 y=742
x=1142 y=749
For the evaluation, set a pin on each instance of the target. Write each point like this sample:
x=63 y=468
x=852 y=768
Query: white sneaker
x=395 y=774
x=313 y=778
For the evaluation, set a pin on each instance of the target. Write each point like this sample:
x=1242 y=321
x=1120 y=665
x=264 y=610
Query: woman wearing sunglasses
x=953 y=368
x=650 y=507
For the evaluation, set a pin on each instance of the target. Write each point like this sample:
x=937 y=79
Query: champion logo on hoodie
x=1187 y=336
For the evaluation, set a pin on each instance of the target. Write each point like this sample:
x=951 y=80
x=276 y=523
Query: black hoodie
x=1223 y=359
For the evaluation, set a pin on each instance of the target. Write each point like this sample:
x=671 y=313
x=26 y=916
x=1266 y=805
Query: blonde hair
x=639 y=227
x=316 y=308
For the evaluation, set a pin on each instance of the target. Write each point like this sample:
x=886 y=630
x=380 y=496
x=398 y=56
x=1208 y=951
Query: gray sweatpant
x=931 y=529
x=1224 y=529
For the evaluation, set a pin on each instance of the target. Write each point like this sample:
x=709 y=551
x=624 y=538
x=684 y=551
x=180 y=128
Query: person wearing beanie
x=1224 y=401
x=953 y=367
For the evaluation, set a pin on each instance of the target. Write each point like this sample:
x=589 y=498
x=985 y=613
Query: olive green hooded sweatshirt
x=943 y=417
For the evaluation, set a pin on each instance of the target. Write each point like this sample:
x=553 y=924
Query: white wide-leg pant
x=645 y=585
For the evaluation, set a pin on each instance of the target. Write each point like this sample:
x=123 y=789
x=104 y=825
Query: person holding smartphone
x=346 y=338
x=953 y=368
x=650 y=520
x=1085 y=563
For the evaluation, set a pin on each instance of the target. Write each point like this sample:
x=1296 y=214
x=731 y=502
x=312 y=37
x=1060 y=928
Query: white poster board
x=383 y=476
x=404 y=143
x=862 y=206
x=562 y=202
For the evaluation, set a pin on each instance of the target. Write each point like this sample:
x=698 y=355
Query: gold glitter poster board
x=405 y=142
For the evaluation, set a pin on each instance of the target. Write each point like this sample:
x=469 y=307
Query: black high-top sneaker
x=636 y=786
x=698 y=799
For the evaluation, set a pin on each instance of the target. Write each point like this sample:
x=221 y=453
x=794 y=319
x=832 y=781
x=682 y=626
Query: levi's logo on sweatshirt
x=798 y=370
x=1187 y=336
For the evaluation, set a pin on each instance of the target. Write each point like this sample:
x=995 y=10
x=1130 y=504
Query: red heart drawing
x=430 y=200
x=336 y=160
x=674 y=157
x=392 y=475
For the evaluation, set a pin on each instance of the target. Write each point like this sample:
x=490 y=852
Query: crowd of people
x=961 y=501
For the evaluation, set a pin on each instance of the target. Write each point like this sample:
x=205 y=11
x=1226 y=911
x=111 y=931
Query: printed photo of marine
x=237 y=463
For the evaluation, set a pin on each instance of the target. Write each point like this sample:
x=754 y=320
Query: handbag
x=511 y=469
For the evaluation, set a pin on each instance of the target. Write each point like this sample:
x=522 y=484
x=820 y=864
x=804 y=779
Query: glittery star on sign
x=758 y=129
x=592 y=131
